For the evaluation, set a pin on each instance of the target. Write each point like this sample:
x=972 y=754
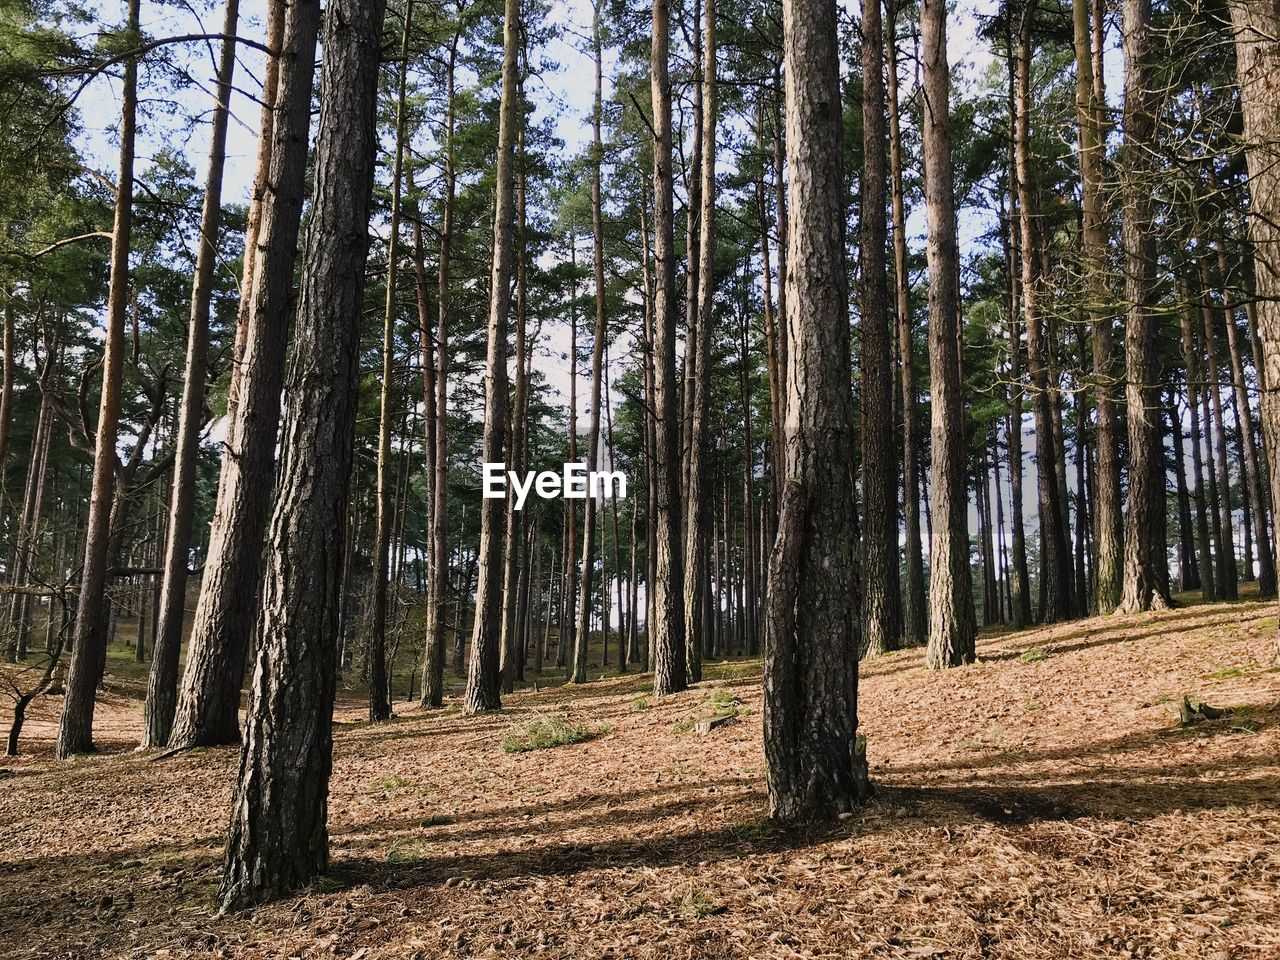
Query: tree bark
x=1095 y=247
x=666 y=631
x=75 y=732
x=697 y=598
x=227 y=611
x=483 y=679
x=278 y=836
x=1143 y=586
x=914 y=608
x=162 y=682
x=433 y=658
x=379 y=687
x=952 y=627
x=815 y=762
x=1055 y=553
x=582 y=633
x=879 y=459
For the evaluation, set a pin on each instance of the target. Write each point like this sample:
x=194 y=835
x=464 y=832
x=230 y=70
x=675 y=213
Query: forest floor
x=1043 y=803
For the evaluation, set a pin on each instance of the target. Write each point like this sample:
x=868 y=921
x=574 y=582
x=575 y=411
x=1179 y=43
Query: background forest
x=925 y=338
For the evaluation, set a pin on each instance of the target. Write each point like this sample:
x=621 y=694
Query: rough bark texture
x=1257 y=40
x=1108 y=527
x=879 y=457
x=75 y=732
x=228 y=607
x=666 y=632
x=483 y=678
x=1144 y=586
x=278 y=836
x=815 y=763
x=952 y=627
x=162 y=683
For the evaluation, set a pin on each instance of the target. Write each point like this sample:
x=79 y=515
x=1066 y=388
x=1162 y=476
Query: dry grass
x=1027 y=807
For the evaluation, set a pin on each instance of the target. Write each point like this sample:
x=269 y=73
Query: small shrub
x=640 y=703
x=1226 y=673
x=697 y=903
x=437 y=820
x=405 y=851
x=546 y=731
x=1034 y=655
x=387 y=784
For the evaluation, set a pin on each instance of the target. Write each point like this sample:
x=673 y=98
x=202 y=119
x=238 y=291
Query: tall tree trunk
x=697 y=599
x=75 y=732
x=914 y=610
x=278 y=838
x=952 y=628
x=1144 y=588
x=433 y=657
x=227 y=611
x=1096 y=245
x=379 y=685
x=1055 y=553
x=162 y=683
x=483 y=680
x=579 y=672
x=815 y=762
x=515 y=567
x=666 y=630
x=879 y=460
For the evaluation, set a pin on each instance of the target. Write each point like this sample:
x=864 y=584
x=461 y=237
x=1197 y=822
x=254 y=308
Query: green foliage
x=544 y=731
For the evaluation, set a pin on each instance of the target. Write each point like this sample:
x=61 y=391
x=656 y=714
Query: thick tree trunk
x=666 y=629
x=278 y=838
x=162 y=683
x=952 y=627
x=75 y=732
x=1144 y=587
x=483 y=679
x=227 y=611
x=879 y=458
x=815 y=761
